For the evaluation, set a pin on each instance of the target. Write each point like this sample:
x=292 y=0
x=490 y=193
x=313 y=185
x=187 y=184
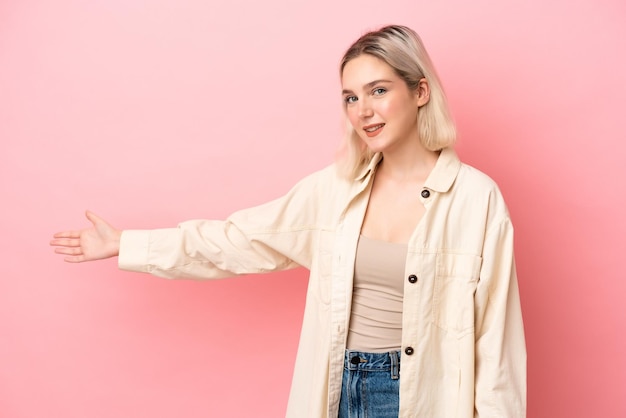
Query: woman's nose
x=365 y=110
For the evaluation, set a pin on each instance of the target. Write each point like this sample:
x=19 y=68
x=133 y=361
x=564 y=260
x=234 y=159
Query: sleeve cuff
x=134 y=250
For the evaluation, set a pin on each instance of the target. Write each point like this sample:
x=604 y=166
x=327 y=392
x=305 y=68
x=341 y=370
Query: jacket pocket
x=456 y=278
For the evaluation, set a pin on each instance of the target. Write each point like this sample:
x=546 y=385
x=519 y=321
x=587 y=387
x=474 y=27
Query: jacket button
x=412 y=278
x=409 y=351
x=425 y=194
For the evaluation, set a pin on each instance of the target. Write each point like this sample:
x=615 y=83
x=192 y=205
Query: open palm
x=99 y=241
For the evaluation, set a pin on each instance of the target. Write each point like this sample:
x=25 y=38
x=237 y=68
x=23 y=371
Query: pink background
x=153 y=112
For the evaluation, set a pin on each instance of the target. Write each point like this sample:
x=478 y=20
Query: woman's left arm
x=500 y=380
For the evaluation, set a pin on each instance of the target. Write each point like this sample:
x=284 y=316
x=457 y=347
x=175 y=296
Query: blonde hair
x=402 y=49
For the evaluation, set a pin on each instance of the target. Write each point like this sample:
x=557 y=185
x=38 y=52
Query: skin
x=99 y=241
x=373 y=95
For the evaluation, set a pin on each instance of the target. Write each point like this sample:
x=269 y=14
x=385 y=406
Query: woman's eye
x=350 y=99
x=379 y=91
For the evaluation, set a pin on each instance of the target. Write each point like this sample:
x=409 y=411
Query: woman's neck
x=408 y=164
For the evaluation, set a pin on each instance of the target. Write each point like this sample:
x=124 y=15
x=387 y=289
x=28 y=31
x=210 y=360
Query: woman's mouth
x=373 y=130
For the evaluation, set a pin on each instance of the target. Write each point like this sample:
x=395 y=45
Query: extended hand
x=95 y=243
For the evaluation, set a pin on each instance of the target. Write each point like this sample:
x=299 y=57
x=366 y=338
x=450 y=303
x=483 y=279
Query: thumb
x=92 y=217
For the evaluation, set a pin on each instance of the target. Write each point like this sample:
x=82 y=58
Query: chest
x=393 y=211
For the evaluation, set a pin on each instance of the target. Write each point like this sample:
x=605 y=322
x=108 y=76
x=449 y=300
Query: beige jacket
x=463 y=349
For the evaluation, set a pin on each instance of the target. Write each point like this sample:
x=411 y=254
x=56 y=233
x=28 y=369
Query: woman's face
x=379 y=104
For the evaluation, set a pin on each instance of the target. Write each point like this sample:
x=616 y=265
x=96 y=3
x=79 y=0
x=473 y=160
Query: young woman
x=412 y=308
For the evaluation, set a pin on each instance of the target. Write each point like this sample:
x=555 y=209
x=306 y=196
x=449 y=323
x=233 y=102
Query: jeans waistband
x=358 y=360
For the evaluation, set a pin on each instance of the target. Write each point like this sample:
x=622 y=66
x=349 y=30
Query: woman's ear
x=423 y=92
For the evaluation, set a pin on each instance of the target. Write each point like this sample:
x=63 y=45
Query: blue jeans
x=371 y=385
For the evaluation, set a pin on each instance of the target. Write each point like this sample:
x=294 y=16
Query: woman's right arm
x=276 y=235
x=99 y=241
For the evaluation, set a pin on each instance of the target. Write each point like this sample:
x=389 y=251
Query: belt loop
x=395 y=365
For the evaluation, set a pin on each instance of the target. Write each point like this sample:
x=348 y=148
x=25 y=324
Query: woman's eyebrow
x=367 y=86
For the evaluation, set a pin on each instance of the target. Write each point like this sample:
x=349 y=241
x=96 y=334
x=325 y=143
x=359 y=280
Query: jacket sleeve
x=274 y=236
x=500 y=380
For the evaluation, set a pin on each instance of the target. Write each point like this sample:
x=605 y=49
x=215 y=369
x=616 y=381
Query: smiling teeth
x=373 y=128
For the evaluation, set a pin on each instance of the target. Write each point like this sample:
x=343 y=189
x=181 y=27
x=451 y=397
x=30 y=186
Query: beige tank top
x=378 y=290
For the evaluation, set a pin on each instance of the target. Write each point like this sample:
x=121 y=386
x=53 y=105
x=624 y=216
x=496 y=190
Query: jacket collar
x=441 y=177
x=445 y=171
x=367 y=170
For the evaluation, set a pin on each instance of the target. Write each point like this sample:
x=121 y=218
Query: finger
x=75 y=258
x=67 y=234
x=93 y=218
x=68 y=251
x=65 y=242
